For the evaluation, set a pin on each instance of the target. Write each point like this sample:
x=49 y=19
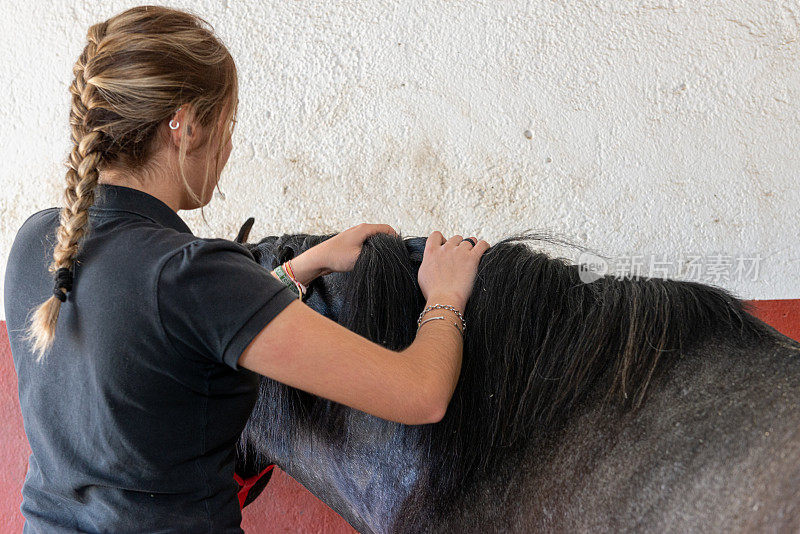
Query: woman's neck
x=163 y=189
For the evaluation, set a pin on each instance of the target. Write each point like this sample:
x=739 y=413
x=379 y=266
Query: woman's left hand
x=339 y=253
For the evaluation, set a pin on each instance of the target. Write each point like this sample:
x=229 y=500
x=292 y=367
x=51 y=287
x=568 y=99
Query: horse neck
x=367 y=472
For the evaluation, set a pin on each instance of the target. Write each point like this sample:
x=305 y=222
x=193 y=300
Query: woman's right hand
x=448 y=268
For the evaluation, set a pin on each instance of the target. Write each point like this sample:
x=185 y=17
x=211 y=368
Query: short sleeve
x=213 y=298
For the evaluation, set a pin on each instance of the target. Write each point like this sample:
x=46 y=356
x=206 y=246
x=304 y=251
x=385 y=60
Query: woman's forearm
x=436 y=356
x=307 y=266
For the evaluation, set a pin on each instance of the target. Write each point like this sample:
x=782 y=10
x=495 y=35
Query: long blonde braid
x=82 y=176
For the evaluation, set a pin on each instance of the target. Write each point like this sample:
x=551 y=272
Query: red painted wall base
x=284 y=506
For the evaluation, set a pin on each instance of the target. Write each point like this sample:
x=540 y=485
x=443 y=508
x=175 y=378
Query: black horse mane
x=538 y=341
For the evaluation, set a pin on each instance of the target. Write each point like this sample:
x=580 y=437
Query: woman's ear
x=181 y=122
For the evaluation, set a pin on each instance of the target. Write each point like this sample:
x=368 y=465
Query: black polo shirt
x=133 y=415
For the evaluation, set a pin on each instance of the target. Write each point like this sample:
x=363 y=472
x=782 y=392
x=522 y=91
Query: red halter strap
x=247 y=483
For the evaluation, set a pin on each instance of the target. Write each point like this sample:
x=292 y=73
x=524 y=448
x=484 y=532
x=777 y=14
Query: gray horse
x=636 y=404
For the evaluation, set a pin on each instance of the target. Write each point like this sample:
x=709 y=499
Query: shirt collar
x=121 y=198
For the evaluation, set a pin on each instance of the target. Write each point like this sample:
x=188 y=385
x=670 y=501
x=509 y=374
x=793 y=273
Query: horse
x=620 y=404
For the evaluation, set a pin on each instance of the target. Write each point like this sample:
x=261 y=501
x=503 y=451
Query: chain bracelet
x=446 y=307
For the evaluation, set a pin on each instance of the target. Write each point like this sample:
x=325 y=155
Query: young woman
x=138 y=361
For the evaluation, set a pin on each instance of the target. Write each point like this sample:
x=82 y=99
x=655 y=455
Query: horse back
x=714 y=447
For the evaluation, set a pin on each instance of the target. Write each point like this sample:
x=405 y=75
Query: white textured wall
x=664 y=127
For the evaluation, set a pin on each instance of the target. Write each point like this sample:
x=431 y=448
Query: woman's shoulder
x=39 y=218
x=34 y=230
x=192 y=252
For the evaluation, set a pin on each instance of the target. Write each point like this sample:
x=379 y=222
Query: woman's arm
x=306 y=350
x=307 y=266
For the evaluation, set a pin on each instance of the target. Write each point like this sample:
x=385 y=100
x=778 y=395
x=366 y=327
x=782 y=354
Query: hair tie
x=63 y=280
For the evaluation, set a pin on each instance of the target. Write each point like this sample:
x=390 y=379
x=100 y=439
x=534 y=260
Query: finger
x=381 y=228
x=482 y=246
x=372 y=229
x=434 y=240
x=455 y=240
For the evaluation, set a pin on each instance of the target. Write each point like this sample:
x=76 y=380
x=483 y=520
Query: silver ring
x=174 y=126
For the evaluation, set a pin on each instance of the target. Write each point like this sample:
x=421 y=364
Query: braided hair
x=175 y=60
